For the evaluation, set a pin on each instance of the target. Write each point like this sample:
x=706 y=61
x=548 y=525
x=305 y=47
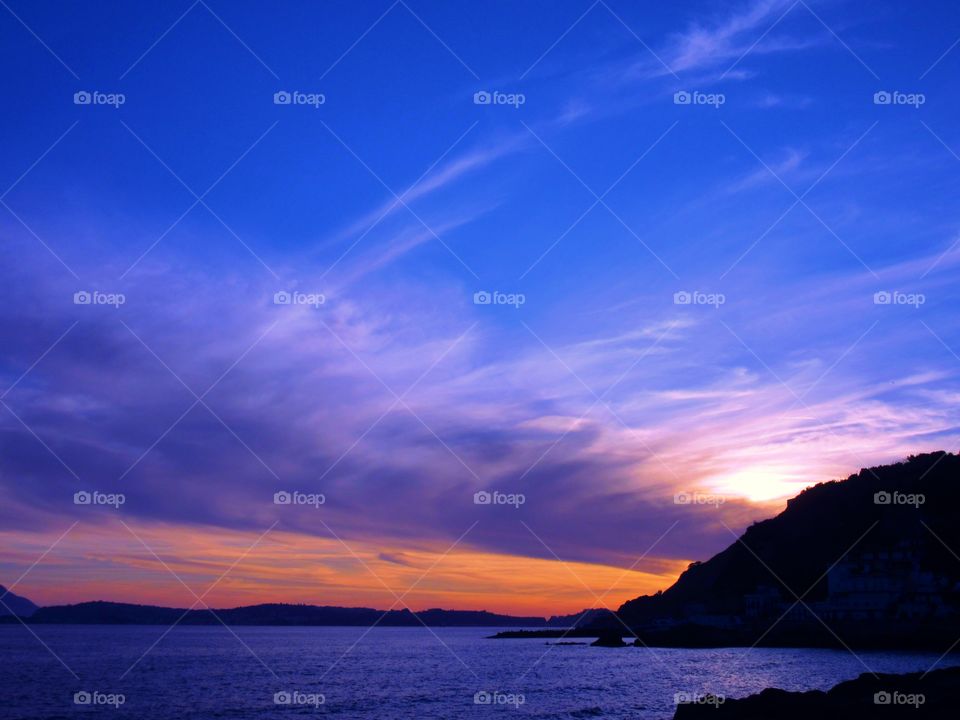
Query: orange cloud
x=230 y=568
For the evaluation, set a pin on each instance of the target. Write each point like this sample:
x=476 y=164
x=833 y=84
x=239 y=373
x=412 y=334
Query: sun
x=759 y=484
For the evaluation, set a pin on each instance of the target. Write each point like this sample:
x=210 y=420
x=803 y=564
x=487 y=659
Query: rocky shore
x=915 y=695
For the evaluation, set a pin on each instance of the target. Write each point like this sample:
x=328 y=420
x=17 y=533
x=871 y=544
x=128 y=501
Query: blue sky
x=783 y=199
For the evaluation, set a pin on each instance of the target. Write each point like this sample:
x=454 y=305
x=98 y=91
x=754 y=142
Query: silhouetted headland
x=12 y=604
x=866 y=562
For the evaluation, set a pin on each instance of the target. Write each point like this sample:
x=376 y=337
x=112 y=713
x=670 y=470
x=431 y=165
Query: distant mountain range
x=14 y=604
x=874 y=559
x=111 y=613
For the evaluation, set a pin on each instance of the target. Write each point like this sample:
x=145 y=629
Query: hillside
x=861 y=558
x=12 y=603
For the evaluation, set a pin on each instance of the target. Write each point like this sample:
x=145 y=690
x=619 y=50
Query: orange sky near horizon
x=162 y=564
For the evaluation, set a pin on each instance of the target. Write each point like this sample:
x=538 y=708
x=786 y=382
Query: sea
x=155 y=673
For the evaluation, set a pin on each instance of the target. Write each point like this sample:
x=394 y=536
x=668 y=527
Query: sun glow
x=759 y=484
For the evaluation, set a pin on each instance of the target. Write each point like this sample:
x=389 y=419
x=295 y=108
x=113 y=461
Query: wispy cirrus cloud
x=437 y=176
x=313 y=408
x=749 y=29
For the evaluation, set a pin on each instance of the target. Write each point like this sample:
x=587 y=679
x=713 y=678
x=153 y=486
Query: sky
x=636 y=272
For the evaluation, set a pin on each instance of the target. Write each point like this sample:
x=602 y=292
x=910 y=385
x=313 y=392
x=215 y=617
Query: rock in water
x=609 y=638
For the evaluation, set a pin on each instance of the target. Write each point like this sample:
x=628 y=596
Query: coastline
x=690 y=636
